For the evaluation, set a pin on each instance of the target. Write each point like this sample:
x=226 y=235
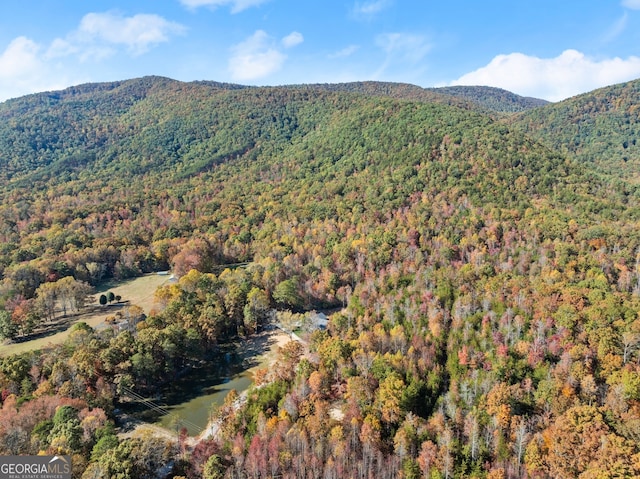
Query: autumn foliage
x=484 y=287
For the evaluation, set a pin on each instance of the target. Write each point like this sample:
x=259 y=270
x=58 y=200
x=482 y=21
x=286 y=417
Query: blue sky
x=550 y=49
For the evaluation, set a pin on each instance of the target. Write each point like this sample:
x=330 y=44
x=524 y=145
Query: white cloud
x=61 y=48
x=236 y=5
x=293 y=39
x=617 y=28
x=345 y=52
x=553 y=79
x=256 y=57
x=632 y=4
x=100 y=34
x=404 y=53
x=19 y=59
x=259 y=56
x=28 y=67
x=370 y=9
x=403 y=46
x=137 y=33
x=24 y=71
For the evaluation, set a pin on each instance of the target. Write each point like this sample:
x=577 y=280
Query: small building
x=319 y=321
x=125 y=325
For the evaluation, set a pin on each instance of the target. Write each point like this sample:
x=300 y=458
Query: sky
x=551 y=49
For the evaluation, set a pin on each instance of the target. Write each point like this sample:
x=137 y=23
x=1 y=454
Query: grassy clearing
x=139 y=291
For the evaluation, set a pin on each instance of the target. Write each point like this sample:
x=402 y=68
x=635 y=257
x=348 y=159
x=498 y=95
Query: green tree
x=72 y=294
x=46 y=297
x=286 y=294
x=256 y=310
x=8 y=329
x=26 y=280
x=213 y=468
x=66 y=433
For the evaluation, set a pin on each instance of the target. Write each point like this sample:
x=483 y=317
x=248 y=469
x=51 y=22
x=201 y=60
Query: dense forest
x=599 y=128
x=483 y=251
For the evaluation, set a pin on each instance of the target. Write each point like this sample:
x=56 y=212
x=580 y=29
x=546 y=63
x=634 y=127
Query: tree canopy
x=483 y=271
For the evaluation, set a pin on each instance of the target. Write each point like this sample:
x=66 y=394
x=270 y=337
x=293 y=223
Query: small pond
x=190 y=400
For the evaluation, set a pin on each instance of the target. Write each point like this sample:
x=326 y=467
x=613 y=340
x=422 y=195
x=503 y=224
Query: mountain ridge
x=600 y=127
x=171 y=134
x=485 y=283
x=489 y=98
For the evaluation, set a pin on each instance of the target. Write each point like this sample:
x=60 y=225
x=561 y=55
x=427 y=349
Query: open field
x=139 y=291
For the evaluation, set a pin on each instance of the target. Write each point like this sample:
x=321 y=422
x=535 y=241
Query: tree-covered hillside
x=600 y=128
x=494 y=99
x=488 y=284
x=480 y=98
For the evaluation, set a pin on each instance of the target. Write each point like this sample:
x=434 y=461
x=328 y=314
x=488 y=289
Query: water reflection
x=193 y=414
x=190 y=399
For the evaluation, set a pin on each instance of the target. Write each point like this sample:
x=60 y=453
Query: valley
x=480 y=251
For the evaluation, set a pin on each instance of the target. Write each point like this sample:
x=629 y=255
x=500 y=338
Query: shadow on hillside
x=230 y=361
x=63 y=323
x=54 y=327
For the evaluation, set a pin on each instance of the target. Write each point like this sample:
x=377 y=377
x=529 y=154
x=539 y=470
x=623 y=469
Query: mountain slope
x=601 y=127
x=483 y=99
x=85 y=148
x=494 y=99
x=488 y=285
x=150 y=146
x=155 y=127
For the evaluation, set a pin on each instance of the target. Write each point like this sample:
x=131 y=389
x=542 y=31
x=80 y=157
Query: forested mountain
x=485 y=99
x=600 y=128
x=488 y=277
x=494 y=99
